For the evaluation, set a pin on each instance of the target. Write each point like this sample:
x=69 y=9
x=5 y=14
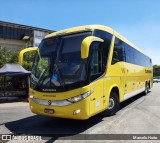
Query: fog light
x=76 y=112
x=31 y=96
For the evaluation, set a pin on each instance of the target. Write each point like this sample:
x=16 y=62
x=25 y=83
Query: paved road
x=139 y=115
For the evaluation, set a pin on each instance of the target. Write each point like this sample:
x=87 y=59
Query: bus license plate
x=49 y=111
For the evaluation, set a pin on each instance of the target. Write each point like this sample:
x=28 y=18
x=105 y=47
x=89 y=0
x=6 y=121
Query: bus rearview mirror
x=22 y=52
x=85 y=46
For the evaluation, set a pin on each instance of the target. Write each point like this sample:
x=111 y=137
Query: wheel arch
x=116 y=90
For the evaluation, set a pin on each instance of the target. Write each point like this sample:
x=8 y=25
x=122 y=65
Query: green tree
x=11 y=56
x=8 y=56
x=28 y=60
x=156 y=71
x=156 y=66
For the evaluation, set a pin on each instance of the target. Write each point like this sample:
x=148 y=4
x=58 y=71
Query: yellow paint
x=86 y=45
x=22 y=52
x=125 y=77
x=64 y=111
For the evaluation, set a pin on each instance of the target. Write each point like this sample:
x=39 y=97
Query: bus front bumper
x=78 y=110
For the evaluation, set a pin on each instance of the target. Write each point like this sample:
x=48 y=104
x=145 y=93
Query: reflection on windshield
x=40 y=70
x=61 y=66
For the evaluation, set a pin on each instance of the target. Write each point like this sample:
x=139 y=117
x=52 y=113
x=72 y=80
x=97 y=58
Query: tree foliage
x=10 y=56
x=28 y=60
x=156 y=66
x=156 y=71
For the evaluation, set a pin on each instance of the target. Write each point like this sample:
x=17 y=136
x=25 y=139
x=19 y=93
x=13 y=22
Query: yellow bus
x=82 y=71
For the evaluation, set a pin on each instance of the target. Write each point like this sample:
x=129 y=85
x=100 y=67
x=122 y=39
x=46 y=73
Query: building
x=14 y=36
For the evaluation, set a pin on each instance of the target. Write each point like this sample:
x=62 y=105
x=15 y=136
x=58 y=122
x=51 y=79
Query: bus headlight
x=31 y=96
x=80 y=97
x=61 y=102
x=75 y=99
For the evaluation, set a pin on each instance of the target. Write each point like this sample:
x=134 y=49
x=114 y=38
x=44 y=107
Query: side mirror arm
x=86 y=45
x=22 y=52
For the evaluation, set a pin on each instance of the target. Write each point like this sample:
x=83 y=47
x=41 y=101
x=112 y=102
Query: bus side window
x=96 y=64
x=96 y=60
x=150 y=65
x=130 y=52
x=107 y=37
x=118 y=52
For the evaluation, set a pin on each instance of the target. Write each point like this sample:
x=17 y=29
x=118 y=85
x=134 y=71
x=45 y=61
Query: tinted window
x=136 y=57
x=102 y=34
x=150 y=62
x=105 y=46
x=96 y=61
x=118 y=52
x=48 y=46
x=129 y=51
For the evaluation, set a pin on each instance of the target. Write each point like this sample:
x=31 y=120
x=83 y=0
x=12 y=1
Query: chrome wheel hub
x=111 y=104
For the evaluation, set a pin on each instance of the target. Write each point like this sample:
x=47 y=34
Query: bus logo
x=49 y=102
x=6 y=137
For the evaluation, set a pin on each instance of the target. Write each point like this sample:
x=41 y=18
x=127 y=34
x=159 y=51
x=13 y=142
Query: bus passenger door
x=117 y=68
x=96 y=71
x=123 y=81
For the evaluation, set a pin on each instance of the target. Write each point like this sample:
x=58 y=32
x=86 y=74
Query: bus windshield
x=60 y=66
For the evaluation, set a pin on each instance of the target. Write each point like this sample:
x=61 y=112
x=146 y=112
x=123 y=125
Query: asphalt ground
x=138 y=115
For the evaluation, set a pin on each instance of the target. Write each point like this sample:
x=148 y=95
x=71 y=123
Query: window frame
x=122 y=46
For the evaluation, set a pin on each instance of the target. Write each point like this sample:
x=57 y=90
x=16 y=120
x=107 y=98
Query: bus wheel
x=113 y=105
x=146 y=89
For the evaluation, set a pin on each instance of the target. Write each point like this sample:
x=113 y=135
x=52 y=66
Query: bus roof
x=91 y=27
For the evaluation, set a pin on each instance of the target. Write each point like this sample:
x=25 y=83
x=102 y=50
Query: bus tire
x=146 y=89
x=113 y=105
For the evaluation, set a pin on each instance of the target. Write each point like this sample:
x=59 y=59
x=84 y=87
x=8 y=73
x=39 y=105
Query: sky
x=137 y=20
